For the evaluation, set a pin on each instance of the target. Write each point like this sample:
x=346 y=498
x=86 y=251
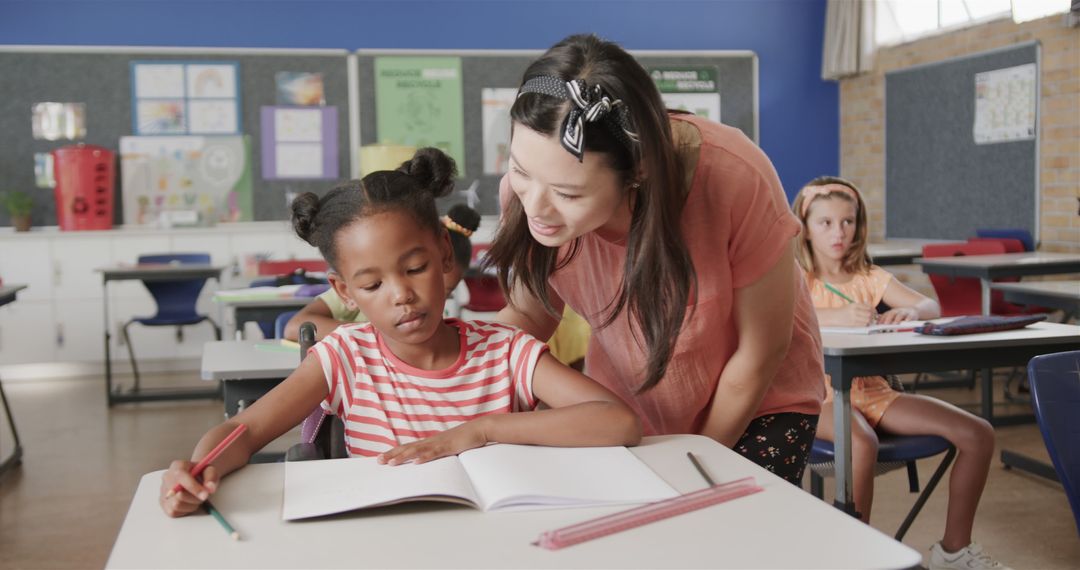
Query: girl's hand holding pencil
x=186 y=485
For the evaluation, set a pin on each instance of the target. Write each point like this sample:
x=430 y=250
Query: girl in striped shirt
x=409 y=385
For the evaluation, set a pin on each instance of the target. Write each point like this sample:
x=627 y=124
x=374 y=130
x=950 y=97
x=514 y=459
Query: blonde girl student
x=328 y=311
x=409 y=384
x=672 y=237
x=832 y=252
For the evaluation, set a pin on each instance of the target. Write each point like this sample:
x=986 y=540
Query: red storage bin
x=85 y=178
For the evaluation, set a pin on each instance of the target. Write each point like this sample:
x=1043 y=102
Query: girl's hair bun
x=304 y=209
x=433 y=170
x=465 y=217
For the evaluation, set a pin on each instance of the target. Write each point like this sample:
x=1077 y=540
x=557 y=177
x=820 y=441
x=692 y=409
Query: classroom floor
x=64 y=506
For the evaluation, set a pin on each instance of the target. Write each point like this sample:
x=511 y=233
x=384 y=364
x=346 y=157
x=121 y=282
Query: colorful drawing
x=211 y=80
x=205 y=179
x=299 y=88
x=162 y=117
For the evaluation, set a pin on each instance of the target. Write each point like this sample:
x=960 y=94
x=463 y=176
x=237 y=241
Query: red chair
x=485 y=295
x=998 y=304
x=960 y=295
x=290 y=265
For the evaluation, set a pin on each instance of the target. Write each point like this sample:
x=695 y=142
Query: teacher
x=672 y=237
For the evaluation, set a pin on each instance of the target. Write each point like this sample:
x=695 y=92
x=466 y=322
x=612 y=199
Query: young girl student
x=409 y=385
x=846 y=289
x=328 y=311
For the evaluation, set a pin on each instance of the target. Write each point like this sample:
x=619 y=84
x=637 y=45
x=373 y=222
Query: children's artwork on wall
x=299 y=142
x=43 y=170
x=55 y=121
x=495 y=106
x=177 y=97
x=211 y=81
x=160 y=117
x=299 y=88
x=185 y=180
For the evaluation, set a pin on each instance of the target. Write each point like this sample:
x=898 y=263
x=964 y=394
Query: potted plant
x=19 y=206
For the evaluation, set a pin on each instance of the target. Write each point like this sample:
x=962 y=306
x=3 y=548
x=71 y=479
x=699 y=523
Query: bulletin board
x=486 y=81
x=101 y=79
x=959 y=154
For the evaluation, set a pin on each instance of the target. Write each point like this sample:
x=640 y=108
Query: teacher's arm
x=764 y=315
x=527 y=313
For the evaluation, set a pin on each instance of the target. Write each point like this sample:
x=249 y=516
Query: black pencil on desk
x=221 y=520
x=701 y=469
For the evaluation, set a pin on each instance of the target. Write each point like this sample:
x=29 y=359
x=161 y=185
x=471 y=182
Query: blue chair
x=175 y=301
x=894 y=451
x=281 y=321
x=1055 y=395
x=1010 y=233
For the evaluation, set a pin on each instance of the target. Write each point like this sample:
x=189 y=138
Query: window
x=898 y=21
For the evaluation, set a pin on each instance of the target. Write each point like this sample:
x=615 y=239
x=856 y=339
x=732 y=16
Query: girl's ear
x=342 y=289
x=446 y=250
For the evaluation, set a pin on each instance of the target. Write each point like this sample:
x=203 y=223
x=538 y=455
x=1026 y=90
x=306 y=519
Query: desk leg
x=988 y=394
x=984 y=284
x=16 y=454
x=108 y=340
x=842 y=434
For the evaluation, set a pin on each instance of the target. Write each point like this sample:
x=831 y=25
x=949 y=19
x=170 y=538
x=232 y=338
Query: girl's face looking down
x=392 y=269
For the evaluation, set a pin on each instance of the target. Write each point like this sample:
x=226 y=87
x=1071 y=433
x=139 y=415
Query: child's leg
x=913 y=414
x=864 y=447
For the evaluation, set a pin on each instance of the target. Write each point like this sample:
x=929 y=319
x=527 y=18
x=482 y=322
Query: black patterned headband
x=589 y=105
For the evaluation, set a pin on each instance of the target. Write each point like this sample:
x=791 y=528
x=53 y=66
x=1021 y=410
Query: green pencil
x=221 y=520
x=838 y=293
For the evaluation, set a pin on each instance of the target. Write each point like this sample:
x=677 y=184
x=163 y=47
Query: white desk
x=7 y=295
x=1064 y=295
x=988 y=267
x=150 y=272
x=782 y=527
x=241 y=311
x=247 y=369
x=851 y=355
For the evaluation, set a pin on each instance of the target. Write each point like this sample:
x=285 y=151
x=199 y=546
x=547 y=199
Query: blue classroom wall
x=799 y=115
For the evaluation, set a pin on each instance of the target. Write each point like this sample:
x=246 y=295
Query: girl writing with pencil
x=672 y=237
x=409 y=385
x=846 y=288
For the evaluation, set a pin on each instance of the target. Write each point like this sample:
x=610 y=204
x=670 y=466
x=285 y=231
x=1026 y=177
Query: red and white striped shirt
x=385 y=402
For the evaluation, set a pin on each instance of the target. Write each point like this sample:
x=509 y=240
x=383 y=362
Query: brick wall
x=862 y=118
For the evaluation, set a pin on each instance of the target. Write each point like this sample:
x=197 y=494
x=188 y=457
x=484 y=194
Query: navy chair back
x=1014 y=233
x=281 y=321
x=1055 y=394
x=175 y=299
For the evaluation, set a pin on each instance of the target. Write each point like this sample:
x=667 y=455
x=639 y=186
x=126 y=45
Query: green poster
x=418 y=103
x=696 y=79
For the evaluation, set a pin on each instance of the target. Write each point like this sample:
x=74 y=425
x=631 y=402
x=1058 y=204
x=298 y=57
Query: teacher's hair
x=658 y=275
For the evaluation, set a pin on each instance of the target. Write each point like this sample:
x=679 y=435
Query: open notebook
x=489 y=478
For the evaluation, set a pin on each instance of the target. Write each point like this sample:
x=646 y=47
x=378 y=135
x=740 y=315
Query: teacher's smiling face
x=565 y=199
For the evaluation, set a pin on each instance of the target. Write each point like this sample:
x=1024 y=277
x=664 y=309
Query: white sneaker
x=968 y=558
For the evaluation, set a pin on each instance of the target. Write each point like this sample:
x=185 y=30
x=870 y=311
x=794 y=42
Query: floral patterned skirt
x=780 y=443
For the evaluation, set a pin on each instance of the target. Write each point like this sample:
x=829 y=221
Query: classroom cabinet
x=60 y=318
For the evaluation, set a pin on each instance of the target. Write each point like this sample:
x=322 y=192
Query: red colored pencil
x=214 y=453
